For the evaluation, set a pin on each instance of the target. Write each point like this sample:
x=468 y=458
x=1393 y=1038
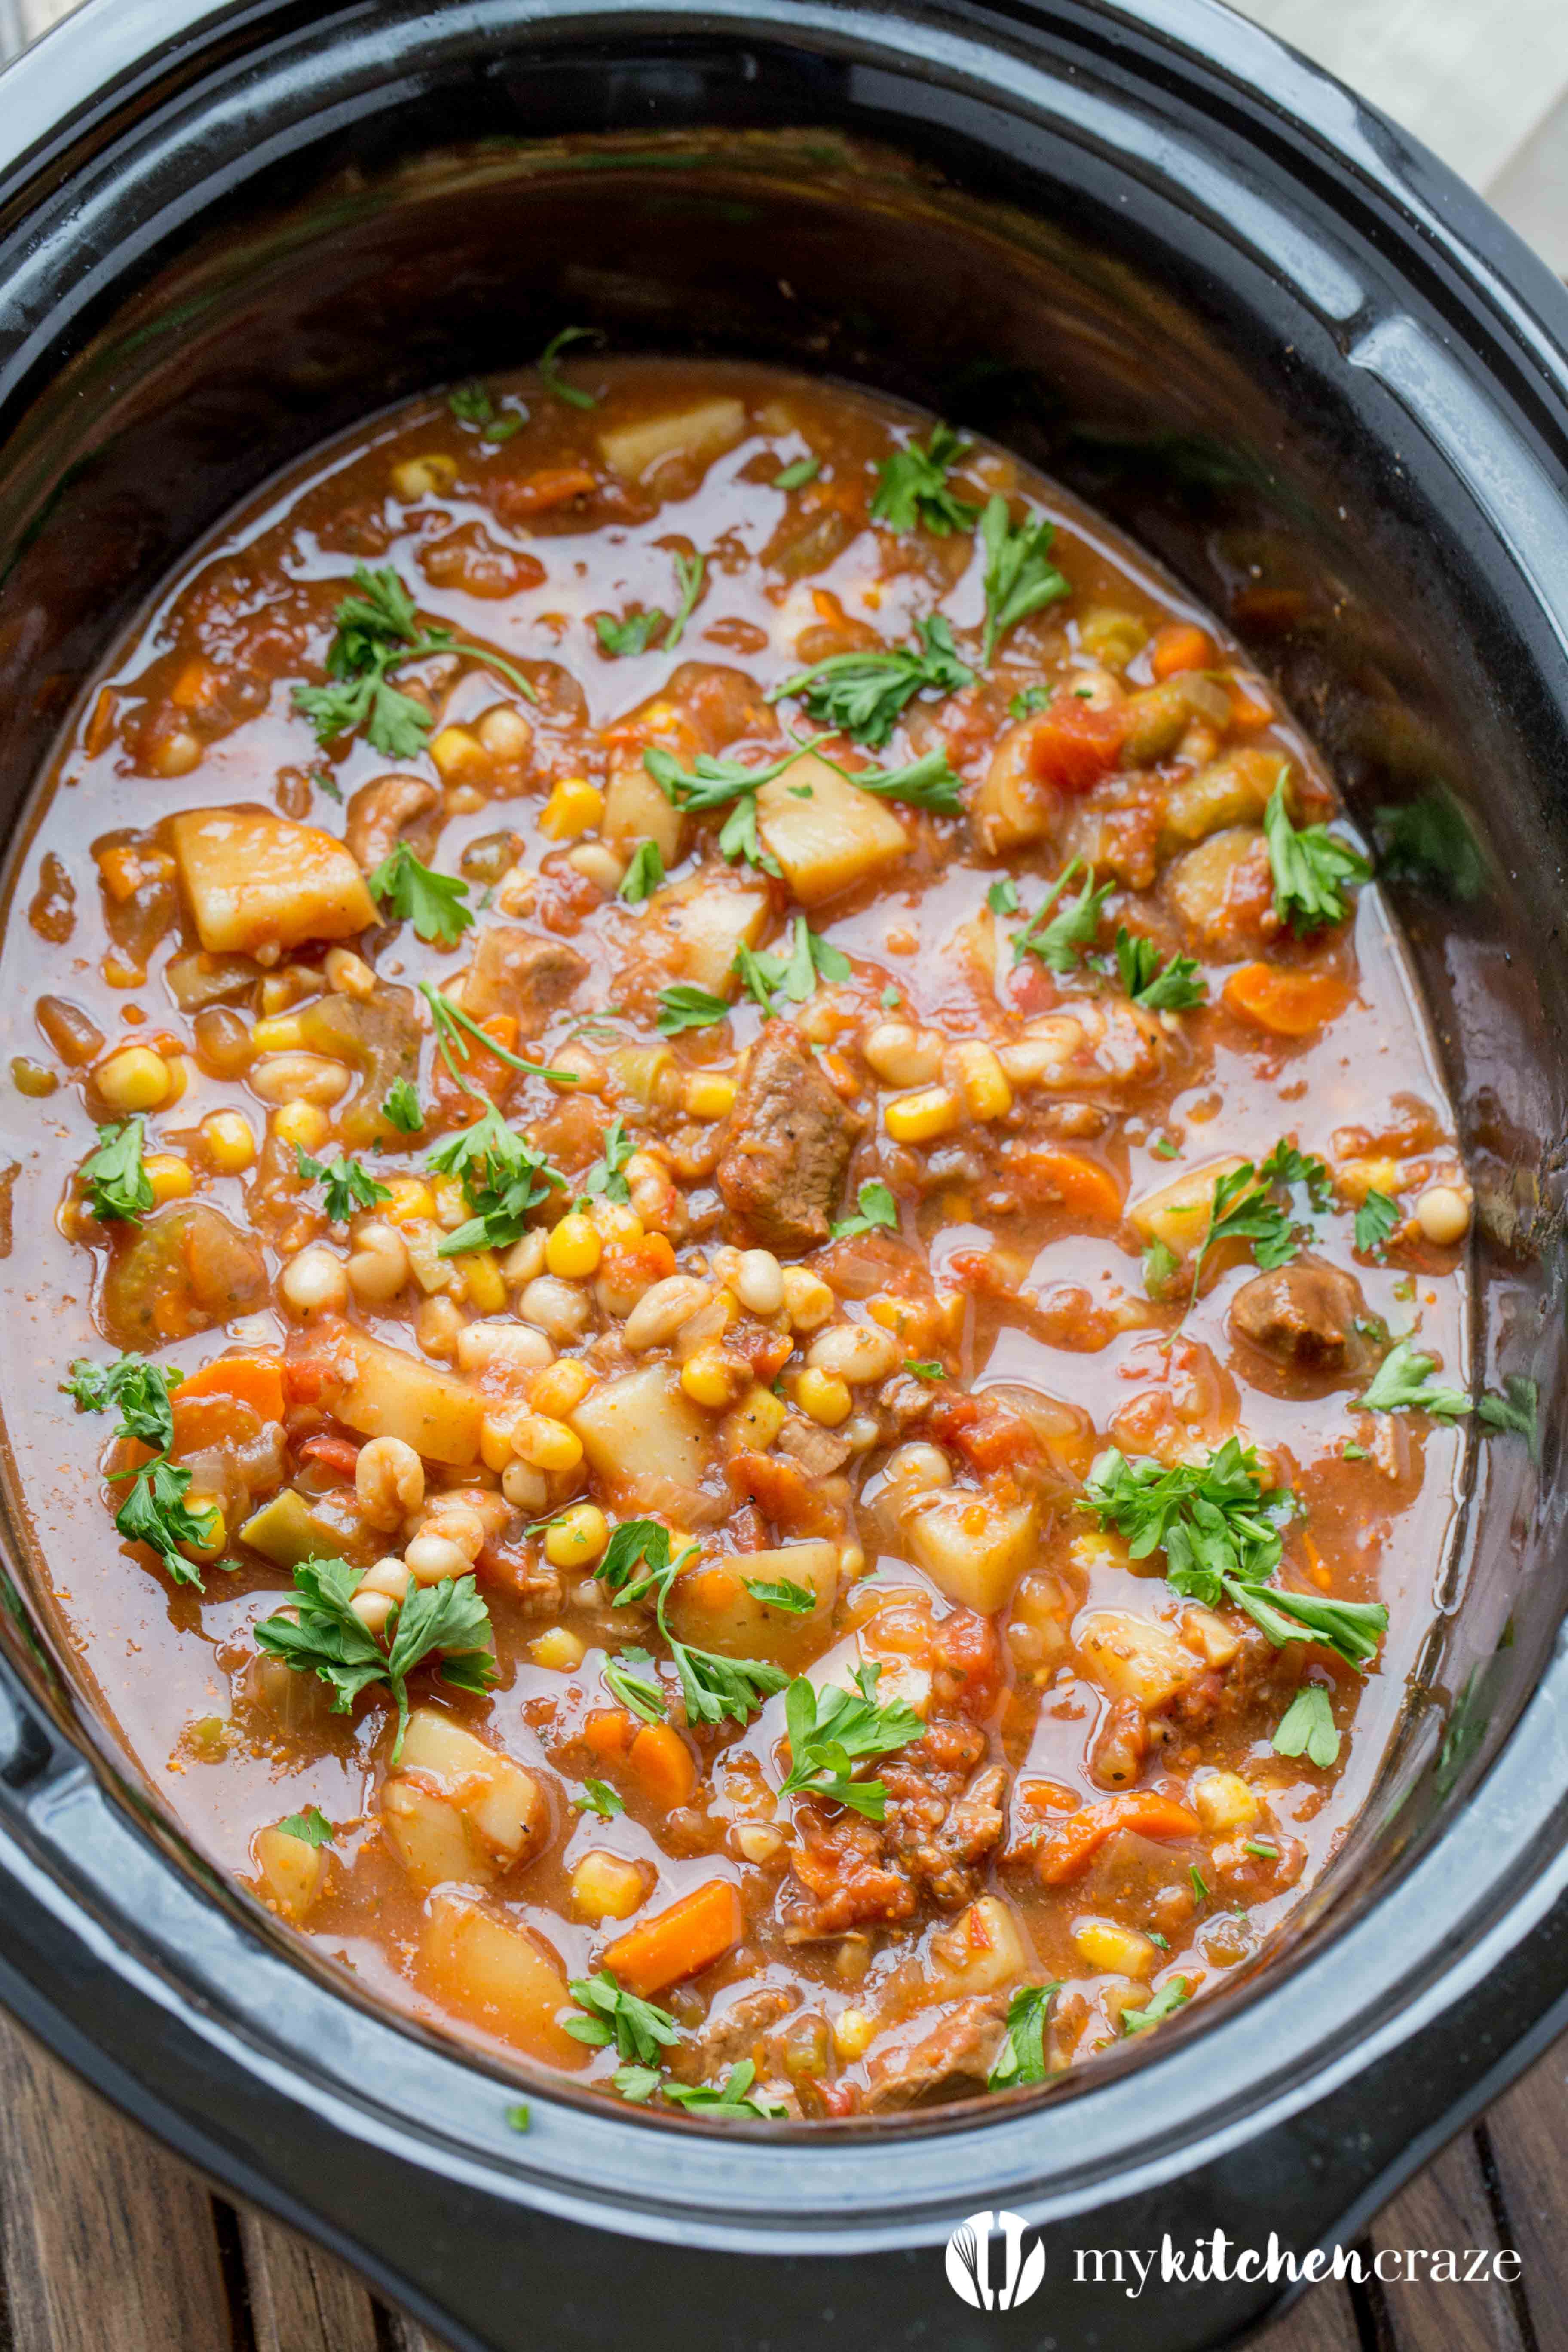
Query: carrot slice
x=664 y=1764
x=1286 y=1003
x=1073 y=744
x=337 y=1453
x=485 y=1070
x=547 y=486
x=1080 y=1184
x=1074 y=1846
x=1181 y=646
x=680 y=1942
x=257 y=1381
x=609 y=1732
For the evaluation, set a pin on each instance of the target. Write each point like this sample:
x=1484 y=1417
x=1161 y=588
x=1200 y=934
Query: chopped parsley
x=1161 y=1265
x=1261 y=1847
x=502 y=1177
x=1170 y=1997
x=447 y=1620
x=1220 y=1530
x=631 y=636
x=1003 y=895
x=768 y=977
x=549 y=370
x=599 y=1797
x=1375 y=1221
x=517 y=2116
x=729 y=2098
x=1020 y=577
x=633 y=1688
x=684 y=1006
x=1430 y=842
x=311 y=1827
x=712 y=1688
x=796 y=477
x=346 y=1185
x=375 y=632
x=1517 y=1409
x=118 y=1185
x=1061 y=934
x=1175 y=986
x=639 y=2028
x=1022 y=2056
x=400 y=1107
x=1404 y=1383
x=1024 y=704
x=875 y=1206
x=861 y=695
x=454 y=1028
x=405 y=888
x=1307 y=1727
x=471 y=403
x=140 y=1389
x=833 y=1728
x=605 y=1181
x=1312 y=868
x=912 y=487
x=1244 y=1207
x=689 y=575
x=923 y=1368
x=644 y=876
x=1200 y=1892
x=782 y=1592
x=155 y=1511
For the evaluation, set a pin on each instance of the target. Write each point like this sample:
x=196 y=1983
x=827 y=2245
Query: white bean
x=432 y=1558
x=315 y=1282
x=857 y=1352
x=379 y=1264
x=389 y=1479
x=903 y=1055
x=560 y=1309
x=502 y=1347
x=660 y=1312
x=1443 y=1215
x=919 y=1468
x=759 y=1282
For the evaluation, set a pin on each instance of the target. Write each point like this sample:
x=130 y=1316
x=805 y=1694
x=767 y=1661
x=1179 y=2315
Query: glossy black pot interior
x=1179 y=269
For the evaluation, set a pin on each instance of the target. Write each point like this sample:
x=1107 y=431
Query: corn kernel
x=1115 y=1950
x=180 y=1070
x=1222 y=1802
x=613 y=1221
x=448 y=1205
x=757 y=1420
x=212 y=1545
x=482 y=1284
x=853 y=2034
x=497 y=1451
x=424 y=477
x=134 y=1079
x=574 y=806
x=709 y=1095
x=460 y=758
x=603 y=1887
x=561 y=1651
x=824 y=1396
x=808 y=1302
x=574 y=1248
x=286 y=1033
x=545 y=1444
x=228 y=1141
x=169 y=1175
x=412 y=1202
x=983 y=1081
x=303 y=1124
x=557 y=1389
x=921 y=1118
x=577 y=1537
x=712 y=1378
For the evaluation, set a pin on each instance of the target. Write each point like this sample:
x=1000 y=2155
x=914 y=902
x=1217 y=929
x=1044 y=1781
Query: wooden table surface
x=107 y=2244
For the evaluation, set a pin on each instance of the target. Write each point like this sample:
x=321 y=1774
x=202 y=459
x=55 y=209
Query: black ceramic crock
x=1194 y=278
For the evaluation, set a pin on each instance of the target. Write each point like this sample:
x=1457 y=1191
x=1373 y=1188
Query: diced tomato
x=334 y=1452
x=1075 y=745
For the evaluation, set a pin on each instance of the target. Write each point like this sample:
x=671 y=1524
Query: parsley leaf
x=454 y=1028
x=311 y=1827
x=345 y=1184
x=796 y=477
x=1307 y=1727
x=472 y=404
x=689 y=575
x=635 y=2083
x=644 y=876
x=928 y=782
x=912 y=487
x=1375 y=1219
x=876 y=1207
x=832 y=1728
x=729 y=2099
x=1220 y=1530
x=634 y=1690
x=1020 y=577
x=599 y=1797
x=1170 y=1997
x=927 y=1369
x=1160 y=1266
x=404 y=887
x=551 y=373
x=1312 y=868
x=155 y=1513
x=327 y=1639
x=1518 y=1410
x=639 y=2028
x=118 y=1185
x=1061 y=934
x=1404 y=1383
x=400 y=1107
x=768 y=977
x=140 y=1389
x=503 y=1176
x=631 y=636
x=376 y=630
x=1022 y=2057
x=605 y=1181
x=1174 y=987
x=1243 y=1207
x=782 y=1593
x=1023 y=705
x=1003 y=895
x=635 y=1544
x=684 y=1006
x=861 y=695
x=711 y=1687
x=711 y=782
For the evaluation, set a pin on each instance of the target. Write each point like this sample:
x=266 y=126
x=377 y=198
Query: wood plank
x=1448 y=2205
x=301 y=2299
x=1323 y=2321
x=108 y=2244
x=1526 y=2139
x=407 y=2335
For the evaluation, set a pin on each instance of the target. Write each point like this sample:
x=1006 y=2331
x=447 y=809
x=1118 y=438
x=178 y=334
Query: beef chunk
x=788 y=1147
x=952 y=2063
x=818 y=1451
x=515 y=971
x=733 y=2034
x=1304 y=1315
x=943 y=1818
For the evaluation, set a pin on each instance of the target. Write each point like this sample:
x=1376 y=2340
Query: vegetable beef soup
x=737 y=1275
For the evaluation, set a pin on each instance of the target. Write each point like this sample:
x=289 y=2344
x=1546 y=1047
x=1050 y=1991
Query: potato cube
x=492 y=1971
x=826 y=832
x=1178 y=1214
x=702 y=432
x=381 y=1392
x=1223 y=1802
x=636 y=810
x=972 y=1546
x=503 y=1803
x=1111 y=1950
x=259 y=884
x=712 y=1609
x=1136 y=1657
x=702 y=923
x=984 y=1950
x=643 y=1426
x=291 y=1872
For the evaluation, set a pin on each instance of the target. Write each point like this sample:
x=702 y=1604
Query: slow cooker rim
x=1514 y=318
